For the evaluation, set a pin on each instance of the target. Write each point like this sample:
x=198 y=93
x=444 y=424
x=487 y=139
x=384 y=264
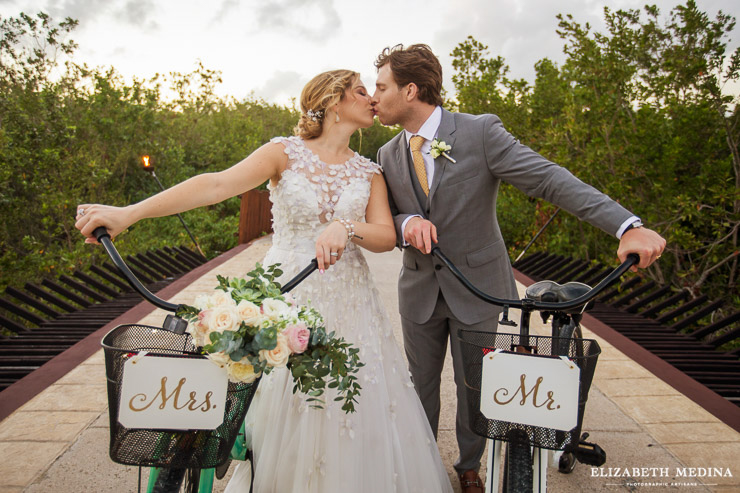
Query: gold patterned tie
x=421 y=171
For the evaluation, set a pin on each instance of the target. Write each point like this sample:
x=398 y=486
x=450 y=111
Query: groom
x=453 y=203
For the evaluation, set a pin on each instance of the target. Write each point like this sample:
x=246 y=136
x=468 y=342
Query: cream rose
x=277 y=357
x=249 y=312
x=275 y=309
x=242 y=371
x=223 y=318
x=297 y=336
x=221 y=298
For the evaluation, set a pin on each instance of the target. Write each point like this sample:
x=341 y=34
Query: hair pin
x=315 y=115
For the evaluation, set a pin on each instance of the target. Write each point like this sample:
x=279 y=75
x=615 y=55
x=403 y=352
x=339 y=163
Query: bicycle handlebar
x=529 y=304
x=101 y=234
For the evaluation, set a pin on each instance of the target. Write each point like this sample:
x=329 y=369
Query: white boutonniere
x=439 y=147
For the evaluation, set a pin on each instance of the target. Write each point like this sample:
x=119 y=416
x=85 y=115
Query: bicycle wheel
x=176 y=481
x=518 y=466
x=191 y=482
x=567 y=461
x=578 y=334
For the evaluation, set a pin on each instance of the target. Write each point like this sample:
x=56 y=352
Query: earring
x=337 y=118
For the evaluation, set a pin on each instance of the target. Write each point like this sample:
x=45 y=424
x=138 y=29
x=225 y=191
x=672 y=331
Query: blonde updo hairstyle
x=321 y=93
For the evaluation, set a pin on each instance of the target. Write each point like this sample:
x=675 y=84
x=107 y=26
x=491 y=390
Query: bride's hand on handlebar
x=330 y=245
x=91 y=216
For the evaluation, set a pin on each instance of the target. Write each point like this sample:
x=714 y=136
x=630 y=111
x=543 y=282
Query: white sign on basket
x=172 y=393
x=531 y=390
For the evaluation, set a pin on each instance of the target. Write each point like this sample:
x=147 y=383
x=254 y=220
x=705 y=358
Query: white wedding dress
x=387 y=445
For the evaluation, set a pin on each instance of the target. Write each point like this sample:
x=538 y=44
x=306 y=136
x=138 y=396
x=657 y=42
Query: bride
x=327 y=202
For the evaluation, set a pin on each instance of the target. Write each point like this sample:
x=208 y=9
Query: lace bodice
x=311 y=194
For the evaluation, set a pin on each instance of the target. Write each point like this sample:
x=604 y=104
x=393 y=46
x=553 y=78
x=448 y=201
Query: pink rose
x=199 y=330
x=297 y=336
x=203 y=315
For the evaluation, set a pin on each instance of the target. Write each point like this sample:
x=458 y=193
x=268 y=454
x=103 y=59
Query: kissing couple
x=328 y=202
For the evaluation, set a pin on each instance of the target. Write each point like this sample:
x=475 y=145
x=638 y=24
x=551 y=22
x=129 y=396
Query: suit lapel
x=445 y=133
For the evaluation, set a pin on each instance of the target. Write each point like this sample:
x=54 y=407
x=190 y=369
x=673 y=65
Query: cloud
x=282 y=86
x=139 y=13
x=84 y=11
x=315 y=20
x=524 y=31
x=227 y=7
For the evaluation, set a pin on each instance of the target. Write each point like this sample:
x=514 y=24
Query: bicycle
x=180 y=461
x=529 y=437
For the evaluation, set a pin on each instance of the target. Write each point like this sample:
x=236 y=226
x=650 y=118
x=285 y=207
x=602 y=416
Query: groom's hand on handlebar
x=420 y=233
x=645 y=242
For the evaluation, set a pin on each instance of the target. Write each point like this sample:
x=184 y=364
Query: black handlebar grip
x=99 y=232
x=633 y=258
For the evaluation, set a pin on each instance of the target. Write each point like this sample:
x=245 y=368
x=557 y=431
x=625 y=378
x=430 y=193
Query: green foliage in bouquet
x=249 y=327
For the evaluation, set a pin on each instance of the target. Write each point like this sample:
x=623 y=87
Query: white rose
x=221 y=298
x=201 y=302
x=223 y=318
x=242 y=371
x=220 y=358
x=275 y=309
x=277 y=357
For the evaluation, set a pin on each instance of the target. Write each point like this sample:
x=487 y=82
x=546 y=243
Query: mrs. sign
x=172 y=393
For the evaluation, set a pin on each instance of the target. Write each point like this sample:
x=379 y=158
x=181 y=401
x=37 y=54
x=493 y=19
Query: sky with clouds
x=270 y=48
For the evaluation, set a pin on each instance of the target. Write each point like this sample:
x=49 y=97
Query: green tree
x=72 y=134
x=638 y=111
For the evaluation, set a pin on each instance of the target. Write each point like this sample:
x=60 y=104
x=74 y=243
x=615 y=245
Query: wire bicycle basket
x=160 y=447
x=475 y=345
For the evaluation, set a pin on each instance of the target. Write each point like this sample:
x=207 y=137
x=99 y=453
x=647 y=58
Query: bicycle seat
x=550 y=291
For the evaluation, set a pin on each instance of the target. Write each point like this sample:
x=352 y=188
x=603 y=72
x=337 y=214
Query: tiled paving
x=58 y=440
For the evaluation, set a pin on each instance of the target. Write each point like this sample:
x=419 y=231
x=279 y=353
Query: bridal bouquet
x=249 y=327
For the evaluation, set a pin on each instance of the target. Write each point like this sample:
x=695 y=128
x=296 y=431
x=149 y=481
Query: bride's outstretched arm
x=265 y=163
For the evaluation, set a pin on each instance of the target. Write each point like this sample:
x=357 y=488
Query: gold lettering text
x=503 y=392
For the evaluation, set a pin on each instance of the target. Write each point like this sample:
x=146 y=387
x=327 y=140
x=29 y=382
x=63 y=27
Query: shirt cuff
x=403 y=230
x=624 y=225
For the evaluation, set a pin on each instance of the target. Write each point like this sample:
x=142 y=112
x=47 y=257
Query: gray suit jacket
x=462 y=205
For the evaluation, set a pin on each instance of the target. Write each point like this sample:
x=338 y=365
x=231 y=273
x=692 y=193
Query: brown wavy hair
x=417 y=64
x=322 y=92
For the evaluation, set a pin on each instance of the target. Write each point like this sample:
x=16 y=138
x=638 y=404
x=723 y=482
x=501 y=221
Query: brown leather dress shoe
x=470 y=482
